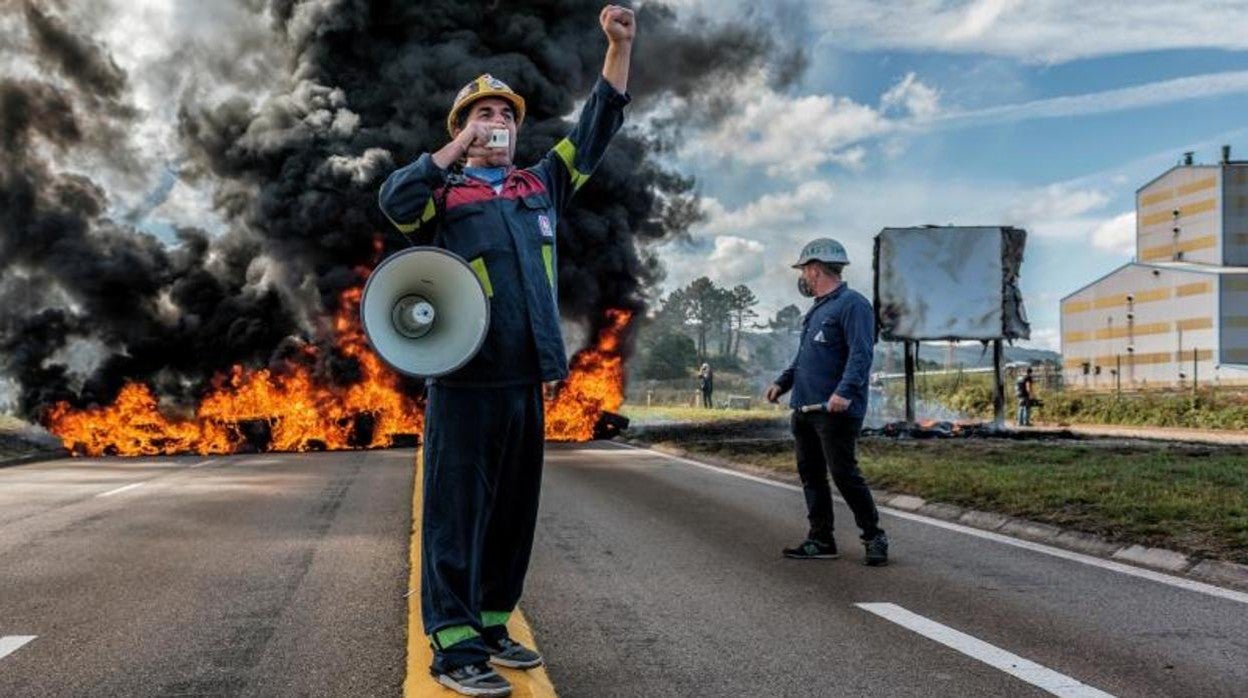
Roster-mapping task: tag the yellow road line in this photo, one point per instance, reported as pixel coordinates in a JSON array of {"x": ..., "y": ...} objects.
[{"x": 534, "y": 683}]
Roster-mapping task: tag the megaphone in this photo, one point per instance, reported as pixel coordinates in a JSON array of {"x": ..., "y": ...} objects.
[{"x": 425, "y": 312}]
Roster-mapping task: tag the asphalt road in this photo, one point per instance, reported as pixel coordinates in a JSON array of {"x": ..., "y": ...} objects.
[
  {"x": 276, "y": 575},
  {"x": 654, "y": 577},
  {"x": 256, "y": 575}
]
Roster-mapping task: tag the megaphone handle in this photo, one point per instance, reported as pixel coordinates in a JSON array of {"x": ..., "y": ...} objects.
[{"x": 818, "y": 407}]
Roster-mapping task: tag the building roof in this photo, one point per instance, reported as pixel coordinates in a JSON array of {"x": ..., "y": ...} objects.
[{"x": 1188, "y": 267}]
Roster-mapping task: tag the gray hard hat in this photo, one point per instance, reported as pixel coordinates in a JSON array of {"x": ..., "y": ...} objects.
[{"x": 822, "y": 250}]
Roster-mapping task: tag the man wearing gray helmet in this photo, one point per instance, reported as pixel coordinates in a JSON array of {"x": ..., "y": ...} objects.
[{"x": 829, "y": 379}]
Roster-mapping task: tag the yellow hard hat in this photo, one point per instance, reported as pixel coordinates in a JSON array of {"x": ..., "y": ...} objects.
[{"x": 483, "y": 86}]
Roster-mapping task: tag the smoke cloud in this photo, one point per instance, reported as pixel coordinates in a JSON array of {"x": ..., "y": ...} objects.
[{"x": 290, "y": 140}]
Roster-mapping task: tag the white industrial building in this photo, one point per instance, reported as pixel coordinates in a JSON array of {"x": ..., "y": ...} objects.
[{"x": 1180, "y": 311}]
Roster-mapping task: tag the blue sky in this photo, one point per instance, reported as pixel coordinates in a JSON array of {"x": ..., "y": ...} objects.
[
  {"x": 1046, "y": 114},
  {"x": 1043, "y": 114}
]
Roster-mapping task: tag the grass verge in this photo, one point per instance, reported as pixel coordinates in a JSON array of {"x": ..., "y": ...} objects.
[{"x": 1189, "y": 499}]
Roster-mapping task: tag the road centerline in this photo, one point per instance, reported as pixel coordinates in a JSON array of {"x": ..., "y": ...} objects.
[
  {"x": 12, "y": 643},
  {"x": 1021, "y": 668}
]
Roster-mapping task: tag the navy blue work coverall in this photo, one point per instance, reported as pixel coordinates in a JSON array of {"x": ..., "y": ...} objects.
[
  {"x": 484, "y": 424},
  {"x": 833, "y": 357}
]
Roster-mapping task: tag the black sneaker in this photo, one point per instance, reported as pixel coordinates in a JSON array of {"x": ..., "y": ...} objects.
[
  {"x": 812, "y": 550},
  {"x": 877, "y": 550},
  {"x": 513, "y": 655},
  {"x": 474, "y": 680}
]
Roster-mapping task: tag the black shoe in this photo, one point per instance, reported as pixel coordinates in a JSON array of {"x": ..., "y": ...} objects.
[
  {"x": 877, "y": 550},
  {"x": 474, "y": 680},
  {"x": 513, "y": 655},
  {"x": 812, "y": 550}
]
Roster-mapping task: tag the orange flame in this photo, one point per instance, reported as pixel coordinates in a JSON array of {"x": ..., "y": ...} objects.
[
  {"x": 595, "y": 383},
  {"x": 297, "y": 412}
]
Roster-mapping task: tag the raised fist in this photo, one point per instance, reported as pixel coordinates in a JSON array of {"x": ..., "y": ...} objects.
[{"x": 618, "y": 23}]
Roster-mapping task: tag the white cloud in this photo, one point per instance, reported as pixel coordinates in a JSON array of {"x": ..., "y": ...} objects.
[
  {"x": 1041, "y": 31},
  {"x": 1055, "y": 202},
  {"x": 735, "y": 260},
  {"x": 1116, "y": 235},
  {"x": 1121, "y": 99},
  {"x": 770, "y": 210},
  {"x": 922, "y": 102},
  {"x": 792, "y": 135}
]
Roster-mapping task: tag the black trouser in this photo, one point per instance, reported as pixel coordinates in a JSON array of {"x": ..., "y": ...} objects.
[
  {"x": 483, "y": 473},
  {"x": 827, "y": 442},
  {"x": 706, "y": 397}
]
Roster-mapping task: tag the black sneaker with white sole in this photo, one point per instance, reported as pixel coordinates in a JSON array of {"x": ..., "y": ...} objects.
[
  {"x": 474, "y": 680},
  {"x": 877, "y": 550},
  {"x": 810, "y": 549},
  {"x": 513, "y": 655}
]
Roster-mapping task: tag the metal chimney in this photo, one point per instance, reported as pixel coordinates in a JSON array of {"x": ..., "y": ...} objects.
[
  {"x": 1187, "y": 157},
  {"x": 1226, "y": 154}
]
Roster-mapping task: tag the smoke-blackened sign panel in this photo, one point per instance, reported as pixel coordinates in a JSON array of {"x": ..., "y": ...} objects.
[{"x": 949, "y": 283}]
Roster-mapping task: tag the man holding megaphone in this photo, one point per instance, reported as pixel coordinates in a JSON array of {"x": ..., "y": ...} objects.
[{"x": 484, "y": 426}]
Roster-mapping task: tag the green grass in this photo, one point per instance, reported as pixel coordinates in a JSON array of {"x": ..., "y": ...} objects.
[
  {"x": 641, "y": 414},
  {"x": 1193, "y": 500}
]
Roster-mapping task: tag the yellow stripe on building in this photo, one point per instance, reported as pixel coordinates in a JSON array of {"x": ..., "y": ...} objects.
[
  {"x": 1198, "y": 185},
  {"x": 1156, "y": 197},
  {"x": 1185, "y": 210},
  {"x": 1076, "y": 306},
  {"x": 1190, "y": 245},
  {"x": 1237, "y": 322},
  {"x": 1137, "y": 330},
  {"x": 1240, "y": 284},
  {"x": 1194, "y": 289},
  {"x": 1198, "y": 323},
  {"x": 1186, "y": 355},
  {"x": 1075, "y": 337}
]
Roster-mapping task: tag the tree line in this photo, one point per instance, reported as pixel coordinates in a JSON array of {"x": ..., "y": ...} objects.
[{"x": 704, "y": 323}]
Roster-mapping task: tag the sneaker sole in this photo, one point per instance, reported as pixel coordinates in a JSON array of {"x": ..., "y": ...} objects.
[
  {"x": 875, "y": 563},
  {"x": 833, "y": 556},
  {"x": 513, "y": 664},
  {"x": 470, "y": 690}
]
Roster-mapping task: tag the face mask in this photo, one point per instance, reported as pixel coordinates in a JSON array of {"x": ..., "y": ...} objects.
[{"x": 804, "y": 288}]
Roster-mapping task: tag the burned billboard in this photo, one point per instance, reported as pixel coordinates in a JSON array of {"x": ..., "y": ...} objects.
[{"x": 949, "y": 283}]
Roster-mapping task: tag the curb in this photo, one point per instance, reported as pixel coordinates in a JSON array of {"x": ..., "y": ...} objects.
[
  {"x": 38, "y": 457},
  {"x": 1218, "y": 572}
]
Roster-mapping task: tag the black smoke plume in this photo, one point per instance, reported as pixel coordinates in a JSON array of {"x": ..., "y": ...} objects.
[{"x": 366, "y": 87}]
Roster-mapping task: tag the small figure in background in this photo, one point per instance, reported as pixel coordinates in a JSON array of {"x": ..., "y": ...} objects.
[
  {"x": 1023, "y": 389},
  {"x": 707, "y": 377}
]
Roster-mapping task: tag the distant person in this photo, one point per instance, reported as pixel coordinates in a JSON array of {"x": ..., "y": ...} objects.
[
  {"x": 831, "y": 371},
  {"x": 1023, "y": 389},
  {"x": 707, "y": 378}
]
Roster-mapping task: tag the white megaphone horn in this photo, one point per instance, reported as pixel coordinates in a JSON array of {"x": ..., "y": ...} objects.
[{"x": 425, "y": 312}]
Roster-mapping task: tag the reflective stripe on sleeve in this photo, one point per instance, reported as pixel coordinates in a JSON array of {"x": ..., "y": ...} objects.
[{"x": 567, "y": 153}]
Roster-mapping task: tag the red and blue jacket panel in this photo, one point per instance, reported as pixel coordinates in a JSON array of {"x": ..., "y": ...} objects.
[{"x": 508, "y": 238}]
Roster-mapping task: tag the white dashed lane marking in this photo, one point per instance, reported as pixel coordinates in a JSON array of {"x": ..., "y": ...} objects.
[
  {"x": 1035, "y": 674},
  {"x": 119, "y": 490},
  {"x": 12, "y": 643}
]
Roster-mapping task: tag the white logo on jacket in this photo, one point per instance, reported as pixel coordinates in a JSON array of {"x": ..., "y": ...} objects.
[{"x": 544, "y": 223}]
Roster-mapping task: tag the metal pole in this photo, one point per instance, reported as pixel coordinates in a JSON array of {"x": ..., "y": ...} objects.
[
  {"x": 1118, "y": 374},
  {"x": 998, "y": 398},
  {"x": 1195, "y": 358},
  {"x": 909, "y": 370}
]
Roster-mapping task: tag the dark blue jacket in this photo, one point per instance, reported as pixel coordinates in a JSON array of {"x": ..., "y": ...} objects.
[
  {"x": 834, "y": 356},
  {"x": 509, "y": 240}
]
